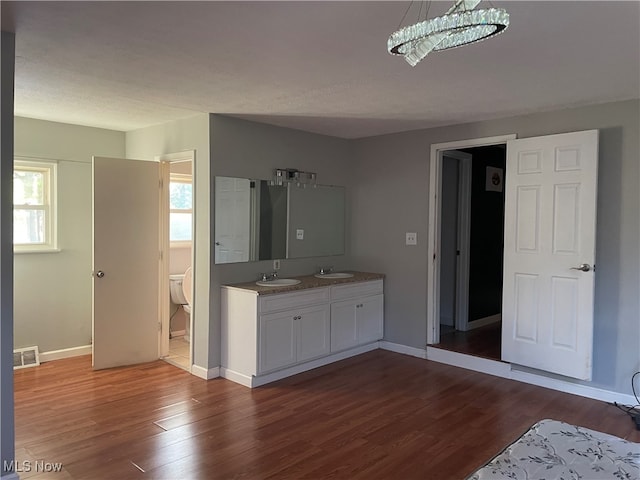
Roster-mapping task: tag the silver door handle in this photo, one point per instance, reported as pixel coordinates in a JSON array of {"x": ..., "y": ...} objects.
[
  {"x": 585, "y": 267},
  {"x": 99, "y": 274}
]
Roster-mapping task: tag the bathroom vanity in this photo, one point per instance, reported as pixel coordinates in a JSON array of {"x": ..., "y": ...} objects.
[{"x": 271, "y": 332}]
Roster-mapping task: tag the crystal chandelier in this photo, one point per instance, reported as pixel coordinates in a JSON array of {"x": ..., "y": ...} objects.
[{"x": 461, "y": 25}]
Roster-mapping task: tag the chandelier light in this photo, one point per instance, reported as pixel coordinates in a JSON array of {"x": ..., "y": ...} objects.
[{"x": 461, "y": 25}]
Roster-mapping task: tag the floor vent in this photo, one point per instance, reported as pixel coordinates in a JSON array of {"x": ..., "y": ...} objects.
[{"x": 26, "y": 357}]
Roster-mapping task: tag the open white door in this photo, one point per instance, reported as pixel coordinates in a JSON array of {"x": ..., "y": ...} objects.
[
  {"x": 549, "y": 255},
  {"x": 126, "y": 201},
  {"x": 233, "y": 219}
]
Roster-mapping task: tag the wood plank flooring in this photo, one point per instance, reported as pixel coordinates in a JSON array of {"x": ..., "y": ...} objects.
[
  {"x": 482, "y": 342},
  {"x": 379, "y": 415}
]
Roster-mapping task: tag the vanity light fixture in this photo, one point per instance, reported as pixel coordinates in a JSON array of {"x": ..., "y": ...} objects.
[
  {"x": 461, "y": 25},
  {"x": 282, "y": 176}
]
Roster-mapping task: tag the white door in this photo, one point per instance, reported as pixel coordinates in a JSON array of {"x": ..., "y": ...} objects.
[
  {"x": 369, "y": 317},
  {"x": 314, "y": 339},
  {"x": 277, "y": 340},
  {"x": 344, "y": 326},
  {"x": 233, "y": 219},
  {"x": 126, "y": 200},
  {"x": 550, "y": 218}
]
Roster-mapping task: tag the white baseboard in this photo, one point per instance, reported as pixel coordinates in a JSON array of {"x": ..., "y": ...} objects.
[
  {"x": 477, "y": 364},
  {"x": 64, "y": 353},
  {"x": 574, "y": 388},
  {"x": 253, "y": 381},
  {"x": 483, "y": 322},
  {"x": 236, "y": 377},
  {"x": 404, "y": 349},
  {"x": 506, "y": 370},
  {"x": 178, "y": 333},
  {"x": 206, "y": 374}
]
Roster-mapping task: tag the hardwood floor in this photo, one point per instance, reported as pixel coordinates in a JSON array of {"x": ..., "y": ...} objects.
[
  {"x": 375, "y": 416},
  {"x": 482, "y": 342}
]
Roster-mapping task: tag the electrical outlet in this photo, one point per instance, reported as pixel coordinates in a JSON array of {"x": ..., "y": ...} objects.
[
  {"x": 300, "y": 234},
  {"x": 412, "y": 238},
  {"x": 276, "y": 264}
]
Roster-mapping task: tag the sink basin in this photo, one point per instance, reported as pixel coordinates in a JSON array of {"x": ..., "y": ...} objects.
[
  {"x": 334, "y": 275},
  {"x": 278, "y": 282}
]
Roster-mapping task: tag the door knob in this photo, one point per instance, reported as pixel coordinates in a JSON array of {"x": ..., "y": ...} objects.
[
  {"x": 585, "y": 267},
  {"x": 99, "y": 274}
]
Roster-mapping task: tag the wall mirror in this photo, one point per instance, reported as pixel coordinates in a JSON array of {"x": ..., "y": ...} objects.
[{"x": 256, "y": 220}]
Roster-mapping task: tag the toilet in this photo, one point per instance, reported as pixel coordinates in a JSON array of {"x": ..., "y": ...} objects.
[{"x": 180, "y": 291}]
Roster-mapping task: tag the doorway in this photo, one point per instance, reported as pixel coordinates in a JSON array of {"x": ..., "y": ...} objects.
[
  {"x": 467, "y": 231},
  {"x": 177, "y": 239},
  {"x": 471, "y": 252}
]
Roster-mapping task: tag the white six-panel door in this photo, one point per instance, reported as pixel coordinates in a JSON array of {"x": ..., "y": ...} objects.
[
  {"x": 550, "y": 219},
  {"x": 233, "y": 218},
  {"x": 126, "y": 258}
]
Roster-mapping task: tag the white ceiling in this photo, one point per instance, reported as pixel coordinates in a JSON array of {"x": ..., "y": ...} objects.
[{"x": 316, "y": 66}]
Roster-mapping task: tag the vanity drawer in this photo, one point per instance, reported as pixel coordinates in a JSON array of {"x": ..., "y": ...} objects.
[
  {"x": 340, "y": 292},
  {"x": 286, "y": 301}
]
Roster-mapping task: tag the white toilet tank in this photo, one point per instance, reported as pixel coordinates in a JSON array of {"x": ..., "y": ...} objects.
[{"x": 175, "y": 288}]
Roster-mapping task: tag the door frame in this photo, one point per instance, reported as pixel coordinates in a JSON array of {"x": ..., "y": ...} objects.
[
  {"x": 434, "y": 224},
  {"x": 164, "y": 296}
]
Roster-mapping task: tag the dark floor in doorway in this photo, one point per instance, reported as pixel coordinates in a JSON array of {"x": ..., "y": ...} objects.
[{"x": 482, "y": 342}]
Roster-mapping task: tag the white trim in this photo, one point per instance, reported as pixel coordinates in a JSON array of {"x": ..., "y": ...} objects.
[
  {"x": 433, "y": 260},
  {"x": 50, "y": 204},
  {"x": 165, "y": 161},
  {"x": 512, "y": 372},
  {"x": 570, "y": 387},
  {"x": 178, "y": 333},
  {"x": 205, "y": 374},
  {"x": 483, "y": 322},
  {"x": 404, "y": 349},
  {"x": 253, "y": 381},
  {"x": 236, "y": 377},
  {"x": 470, "y": 362},
  {"x": 64, "y": 353}
]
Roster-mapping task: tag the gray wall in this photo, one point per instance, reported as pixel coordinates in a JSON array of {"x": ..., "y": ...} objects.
[
  {"x": 7, "y": 431},
  {"x": 398, "y": 165},
  {"x": 319, "y": 213},
  {"x": 449, "y": 244},
  {"x": 52, "y": 291},
  {"x": 178, "y": 136},
  {"x": 241, "y": 148}
]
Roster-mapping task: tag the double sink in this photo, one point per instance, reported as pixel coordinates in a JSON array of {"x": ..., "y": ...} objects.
[{"x": 285, "y": 282}]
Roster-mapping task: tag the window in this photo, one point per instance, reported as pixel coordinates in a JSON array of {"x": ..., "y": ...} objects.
[
  {"x": 180, "y": 208},
  {"x": 34, "y": 208}
]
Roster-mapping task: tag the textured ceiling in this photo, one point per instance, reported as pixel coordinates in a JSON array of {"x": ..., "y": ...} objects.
[{"x": 316, "y": 66}]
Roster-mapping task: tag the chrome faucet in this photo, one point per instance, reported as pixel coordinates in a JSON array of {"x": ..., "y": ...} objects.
[
  {"x": 325, "y": 270},
  {"x": 267, "y": 277}
]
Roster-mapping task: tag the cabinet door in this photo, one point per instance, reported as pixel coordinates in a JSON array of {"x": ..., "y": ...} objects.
[
  {"x": 344, "y": 332},
  {"x": 369, "y": 319},
  {"x": 277, "y": 341},
  {"x": 313, "y": 333}
]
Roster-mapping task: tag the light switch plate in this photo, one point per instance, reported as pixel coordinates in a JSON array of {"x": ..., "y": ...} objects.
[
  {"x": 300, "y": 234},
  {"x": 276, "y": 264},
  {"x": 412, "y": 238}
]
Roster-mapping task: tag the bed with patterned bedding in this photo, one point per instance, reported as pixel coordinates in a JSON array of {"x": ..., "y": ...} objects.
[{"x": 556, "y": 450}]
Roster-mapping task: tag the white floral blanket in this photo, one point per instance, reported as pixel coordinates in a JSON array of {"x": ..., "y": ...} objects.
[{"x": 556, "y": 450}]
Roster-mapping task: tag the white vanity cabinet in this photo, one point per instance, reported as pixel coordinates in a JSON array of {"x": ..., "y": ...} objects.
[
  {"x": 268, "y": 336},
  {"x": 292, "y": 336},
  {"x": 356, "y": 314}
]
